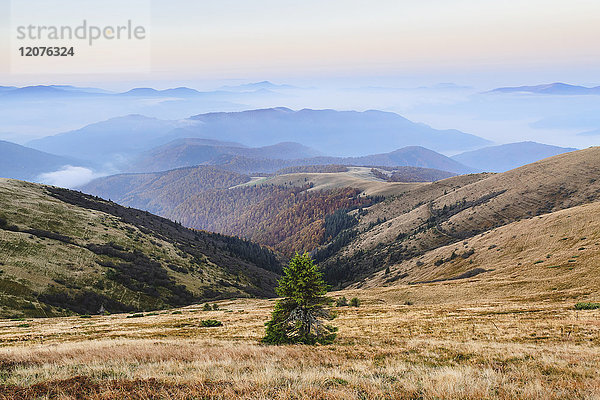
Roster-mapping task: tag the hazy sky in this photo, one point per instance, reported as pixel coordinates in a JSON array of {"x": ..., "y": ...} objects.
[{"x": 484, "y": 42}]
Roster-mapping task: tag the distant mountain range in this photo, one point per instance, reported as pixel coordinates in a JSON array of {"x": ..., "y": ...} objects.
[
  {"x": 411, "y": 156},
  {"x": 19, "y": 162},
  {"x": 268, "y": 159},
  {"x": 183, "y": 92},
  {"x": 189, "y": 152},
  {"x": 552, "y": 89},
  {"x": 508, "y": 156},
  {"x": 338, "y": 133},
  {"x": 111, "y": 140}
]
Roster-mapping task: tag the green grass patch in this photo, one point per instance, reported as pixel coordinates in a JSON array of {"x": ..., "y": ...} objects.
[
  {"x": 209, "y": 323},
  {"x": 587, "y": 306}
]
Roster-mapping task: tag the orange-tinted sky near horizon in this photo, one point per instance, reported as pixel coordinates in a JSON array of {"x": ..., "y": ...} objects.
[{"x": 277, "y": 39}]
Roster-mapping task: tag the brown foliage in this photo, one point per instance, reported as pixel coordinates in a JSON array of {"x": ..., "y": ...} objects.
[{"x": 285, "y": 218}]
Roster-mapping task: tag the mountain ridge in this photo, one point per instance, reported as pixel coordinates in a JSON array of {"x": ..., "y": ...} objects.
[
  {"x": 508, "y": 156},
  {"x": 24, "y": 163},
  {"x": 557, "y": 88}
]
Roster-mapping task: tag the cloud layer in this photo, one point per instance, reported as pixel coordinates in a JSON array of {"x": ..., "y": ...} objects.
[{"x": 69, "y": 177}]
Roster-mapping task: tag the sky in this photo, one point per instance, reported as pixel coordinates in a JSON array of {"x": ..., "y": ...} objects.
[{"x": 486, "y": 43}]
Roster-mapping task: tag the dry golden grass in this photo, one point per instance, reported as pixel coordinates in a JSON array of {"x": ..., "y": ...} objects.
[
  {"x": 356, "y": 177},
  {"x": 432, "y": 349},
  {"x": 552, "y": 184},
  {"x": 555, "y": 255}
]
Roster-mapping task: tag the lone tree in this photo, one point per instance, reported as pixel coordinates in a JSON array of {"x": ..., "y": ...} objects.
[{"x": 299, "y": 317}]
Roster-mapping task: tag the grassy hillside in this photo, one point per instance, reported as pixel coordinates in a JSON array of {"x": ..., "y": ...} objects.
[
  {"x": 62, "y": 251},
  {"x": 362, "y": 178},
  {"x": 374, "y": 223},
  {"x": 426, "y": 218},
  {"x": 478, "y": 301},
  {"x": 555, "y": 255}
]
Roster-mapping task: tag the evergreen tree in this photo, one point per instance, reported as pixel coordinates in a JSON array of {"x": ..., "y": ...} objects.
[{"x": 299, "y": 316}]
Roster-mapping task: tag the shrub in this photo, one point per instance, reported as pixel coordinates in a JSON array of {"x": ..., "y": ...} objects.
[
  {"x": 342, "y": 302},
  {"x": 85, "y": 316},
  {"x": 135, "y": 315},
  {"x": 206, "y": 307},
  {"x": 587, "y": 306},
  {"x": 208, "y": 323},
  {"x": 355, "y": 302},
  {"x": 215, "y": 307}
]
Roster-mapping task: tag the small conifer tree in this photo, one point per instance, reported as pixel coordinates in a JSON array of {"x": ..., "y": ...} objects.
[{"x": 299, "y": 317}]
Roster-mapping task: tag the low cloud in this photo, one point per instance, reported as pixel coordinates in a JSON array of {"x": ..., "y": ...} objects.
[{"x": 69, "y": 177}]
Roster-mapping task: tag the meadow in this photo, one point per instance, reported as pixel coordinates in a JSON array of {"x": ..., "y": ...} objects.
[{"x": 407, "y": 342}]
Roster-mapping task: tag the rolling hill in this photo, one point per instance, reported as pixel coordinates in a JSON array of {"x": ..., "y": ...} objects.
[
  {"x": 158, "y": 192},
  {"x": 20, "y": 162},
  {"x": 555, "y": 254},
  {"x": 356, "y": 222},
  {"x": 65, "y": 252},
  {"x": 508, "y": 156},
  {"x": 435, "y": 215},
  {"x": 269, "y": 159},
  {"x": 410, "y": 156},
  {"x": 288, "y": 211}
]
